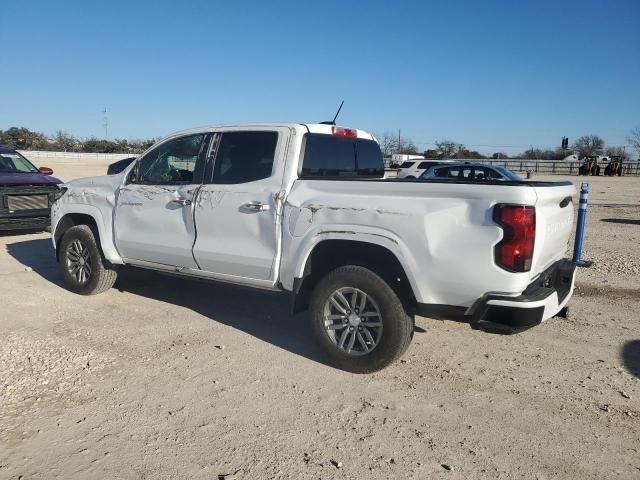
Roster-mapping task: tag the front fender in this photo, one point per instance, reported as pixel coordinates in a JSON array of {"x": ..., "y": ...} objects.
[{"x": 63, "y": 208}]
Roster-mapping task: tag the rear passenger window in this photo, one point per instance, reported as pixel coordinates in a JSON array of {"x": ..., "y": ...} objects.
[
  {"x": 330, "y": 156},
  {"x": 441, "y": 172},
  {"x": 425, "y": 165},
  {"x": 407, "y": 164},
  {"x": 482, "y": 173},
  {"x": 369, "y": 158},
  {"x": 453, "y": 172},
  {"x": 244, "y": 157}
]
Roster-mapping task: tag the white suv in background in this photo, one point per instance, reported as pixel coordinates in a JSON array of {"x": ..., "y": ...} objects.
[{"x": 415, "y": 168}]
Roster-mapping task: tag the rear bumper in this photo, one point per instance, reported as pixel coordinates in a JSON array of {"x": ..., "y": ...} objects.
[{"x": 541, "y": 300}]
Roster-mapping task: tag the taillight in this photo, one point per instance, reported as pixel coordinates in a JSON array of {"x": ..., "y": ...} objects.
[
  {"x": 515, "y": 251},
  {"x": 344, "y": 132}
]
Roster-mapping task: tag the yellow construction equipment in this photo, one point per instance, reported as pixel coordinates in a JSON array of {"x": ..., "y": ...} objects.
[
  {"x": 589, "y": 166},
  {"x": 615, "y": 167}
]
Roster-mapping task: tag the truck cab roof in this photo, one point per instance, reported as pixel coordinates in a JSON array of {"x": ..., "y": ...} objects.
[{"x": 318, "y": 128}]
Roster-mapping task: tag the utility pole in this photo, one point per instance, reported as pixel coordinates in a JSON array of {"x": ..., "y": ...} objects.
[
  {"x": 399, "y": 141},
  {"x": 105, "y": 123}
]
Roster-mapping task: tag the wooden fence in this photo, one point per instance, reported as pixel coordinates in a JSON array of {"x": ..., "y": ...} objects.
[{"x": 557, "y": 167}]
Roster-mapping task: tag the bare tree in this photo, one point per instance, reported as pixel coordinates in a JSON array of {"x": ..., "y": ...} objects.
[
  {"x": 589, "y": 145},
  {"x": 634, "y": 139},
  {"x": 617, "y": 152},
  {"x": 407, "y": 146},
  {"x": 65, "y": 142},
  {"x": 388, "y": 143}
]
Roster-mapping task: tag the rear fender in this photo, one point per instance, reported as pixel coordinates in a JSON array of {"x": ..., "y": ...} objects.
[{"x": 380, "y": 237}]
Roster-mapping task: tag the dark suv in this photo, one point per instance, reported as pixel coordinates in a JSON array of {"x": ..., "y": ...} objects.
[{"x": 26, "y": 192}]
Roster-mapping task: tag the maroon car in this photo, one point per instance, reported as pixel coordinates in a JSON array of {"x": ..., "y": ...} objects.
[{"x": 26, "y": 192}]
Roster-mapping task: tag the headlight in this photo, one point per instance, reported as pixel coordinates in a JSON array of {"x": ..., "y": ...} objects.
[{"x": 58, "y": 195}]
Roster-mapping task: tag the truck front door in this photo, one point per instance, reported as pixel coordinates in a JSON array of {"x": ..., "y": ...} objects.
[{"x": 154, "y": 209}]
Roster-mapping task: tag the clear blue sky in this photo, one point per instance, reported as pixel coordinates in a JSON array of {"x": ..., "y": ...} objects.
[{"x": 478, "y": 72}]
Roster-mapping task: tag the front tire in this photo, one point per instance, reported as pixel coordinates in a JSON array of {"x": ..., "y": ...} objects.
[
  {"x": 358, "y": 320},
  {"x": 85, "y": 271}
]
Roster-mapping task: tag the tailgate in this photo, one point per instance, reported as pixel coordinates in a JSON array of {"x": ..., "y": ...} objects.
[{"x": 554, "y": 224}]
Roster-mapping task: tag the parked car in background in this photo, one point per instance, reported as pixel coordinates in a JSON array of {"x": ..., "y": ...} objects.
[
  {"x": 470, "y": 172},
  {"x": 26, "y": 192},
  {"x": 120, "y": 165},
  {"x": 305, "y": 209},
  {"x": 414, "y": 168}
]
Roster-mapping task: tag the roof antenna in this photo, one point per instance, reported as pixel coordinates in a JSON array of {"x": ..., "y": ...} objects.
[{"x": 333, "y": 122}]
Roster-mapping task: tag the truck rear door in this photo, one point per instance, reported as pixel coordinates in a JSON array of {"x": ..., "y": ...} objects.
[{"x": 236, "y": 214}]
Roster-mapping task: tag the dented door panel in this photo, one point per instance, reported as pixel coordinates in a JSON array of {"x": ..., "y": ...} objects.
[
  {"x": 154, "y": 223},
  {"x": 239, "y": 224},
  {"x": 233, "y": 240}
]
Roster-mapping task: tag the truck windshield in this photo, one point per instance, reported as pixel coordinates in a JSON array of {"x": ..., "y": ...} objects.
[
  {"x": 15, "y": 163},
  {"x": 331, "y": 156}
]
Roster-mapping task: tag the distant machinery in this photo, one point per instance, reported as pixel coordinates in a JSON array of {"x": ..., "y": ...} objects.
[
  {"x": 589, "y": 166},
  {"x": 615, "y": 167}
]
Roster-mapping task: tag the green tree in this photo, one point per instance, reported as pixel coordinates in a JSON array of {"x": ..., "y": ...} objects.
[
  {"x": 23, "y": 139},
  {"x": 447, "y": 148},
  {"x": 95, "y": 145},
  {"x": 431, "y": 153},
  {"x": 464, "y": 153}
]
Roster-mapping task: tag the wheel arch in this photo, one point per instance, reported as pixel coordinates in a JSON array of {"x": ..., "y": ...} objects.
[
  {"x": 331, "y": 253},
  {"x": 91, "y": 217}
]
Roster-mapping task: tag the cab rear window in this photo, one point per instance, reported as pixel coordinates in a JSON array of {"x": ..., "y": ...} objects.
[{"x": 330, "y": 156}]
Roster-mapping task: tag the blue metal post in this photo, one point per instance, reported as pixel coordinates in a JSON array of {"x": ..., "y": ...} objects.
[{"x": 582, "y": 219}]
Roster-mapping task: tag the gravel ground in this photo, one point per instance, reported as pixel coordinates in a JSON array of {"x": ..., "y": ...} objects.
[{"x": 167, "y": 378}]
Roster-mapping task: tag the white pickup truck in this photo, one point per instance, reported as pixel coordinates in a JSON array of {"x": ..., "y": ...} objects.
[{"x": 305, "y": 208}]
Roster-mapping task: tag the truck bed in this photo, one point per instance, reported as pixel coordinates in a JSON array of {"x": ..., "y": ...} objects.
[{"x": 440, "y": 230}]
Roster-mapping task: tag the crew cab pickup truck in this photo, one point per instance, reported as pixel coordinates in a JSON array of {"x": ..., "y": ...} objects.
[{"x": 305, "y": 209}]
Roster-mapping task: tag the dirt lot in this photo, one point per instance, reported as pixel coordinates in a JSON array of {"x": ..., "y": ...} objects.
[{"x": 166, "y": 378}]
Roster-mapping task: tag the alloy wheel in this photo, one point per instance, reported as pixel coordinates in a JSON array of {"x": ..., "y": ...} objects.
[
  {"x": 79, "y": 261},
  {"x": 352, "y": 320}
]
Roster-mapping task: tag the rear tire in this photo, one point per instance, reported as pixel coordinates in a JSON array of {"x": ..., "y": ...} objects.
[
  {"x": 84, "y": 269},
  {"x": 362, "y": 334}
]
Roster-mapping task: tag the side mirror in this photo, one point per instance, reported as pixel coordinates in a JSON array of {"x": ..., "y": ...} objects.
[
  {"x": 134, "y": 172},
  {"x": 45, "y": 171}
]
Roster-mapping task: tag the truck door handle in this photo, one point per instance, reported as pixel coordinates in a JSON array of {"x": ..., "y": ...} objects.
[
  {"x": 182, "y": 201},
  {"x": 254, "y": 207}
]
